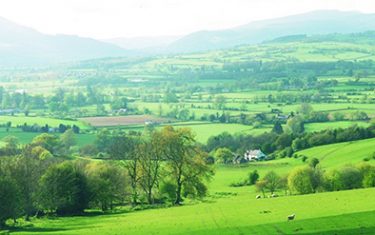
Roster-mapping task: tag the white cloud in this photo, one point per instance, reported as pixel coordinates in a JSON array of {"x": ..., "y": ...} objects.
[{"x": 129, "y": 18}]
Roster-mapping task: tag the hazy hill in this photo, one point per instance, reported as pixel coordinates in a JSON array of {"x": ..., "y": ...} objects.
[
  {"x": 22, "y": 46},
  {"x": 143, "y": 43},
  {"x": 312, "y": 23},
  {"x": 291, "y": 48}
]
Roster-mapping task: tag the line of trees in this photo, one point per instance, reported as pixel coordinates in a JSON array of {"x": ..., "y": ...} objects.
[
  {"x": 311, "y": 179},
  {"x": 162, "y": 167},
  {"x": 46, "y": 128}
]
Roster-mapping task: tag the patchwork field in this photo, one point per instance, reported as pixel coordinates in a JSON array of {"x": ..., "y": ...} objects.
[{"x": 121, "y": 120}]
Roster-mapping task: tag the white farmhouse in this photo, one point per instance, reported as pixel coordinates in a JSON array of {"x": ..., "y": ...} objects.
[{"x": 254, "y": 155}]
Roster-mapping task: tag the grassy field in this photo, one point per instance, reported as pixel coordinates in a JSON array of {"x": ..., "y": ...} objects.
[
  {"x": 204, "y": 131},
  {"x": 230, "y": 210},
  {"x": 343, "y": 153},
  {"x": 53, "y": 122},
  {"x": 121, "y": 120},
  {"x": 26, "y": 137},
  {"x": 310, "y": 127},
  {"x": 236, "y": 214}
]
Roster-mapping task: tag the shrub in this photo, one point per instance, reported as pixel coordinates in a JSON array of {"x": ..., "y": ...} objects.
[
  {"x": 253, "y": 177},
  {"x": 239, "y": 184},
  {"x": 313, "y": 162}
]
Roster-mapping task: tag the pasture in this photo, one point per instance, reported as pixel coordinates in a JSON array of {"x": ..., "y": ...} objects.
[
  {"x": 121, "y": 120},
  {"x": 20, "y": 120},
  {"x": 334, "y": 155},
  {"x": 26, "y": 137},
  {"x": 204, "y": 130},
  {"x": 238, "y": 213},
  {"x": 235, "y": 210}
]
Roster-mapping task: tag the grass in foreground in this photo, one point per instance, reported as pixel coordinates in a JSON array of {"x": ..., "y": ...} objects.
[{"x": 237, "y": 214}]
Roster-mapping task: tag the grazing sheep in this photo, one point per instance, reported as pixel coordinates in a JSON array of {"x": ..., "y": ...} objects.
[
  {"x": 274, "y": 195},
  {"x": 258, "y": 197},
  {"x": 291, "y": 217}
]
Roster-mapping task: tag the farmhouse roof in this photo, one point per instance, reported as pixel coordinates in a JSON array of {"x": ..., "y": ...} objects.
[{"x": 254, "y": 152}]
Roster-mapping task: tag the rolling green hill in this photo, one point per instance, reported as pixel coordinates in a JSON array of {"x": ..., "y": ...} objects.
[
  {"x": 231, "y": 210},
  {"x": 334, "y": 155},
  {"x": 325, "y": 48}
]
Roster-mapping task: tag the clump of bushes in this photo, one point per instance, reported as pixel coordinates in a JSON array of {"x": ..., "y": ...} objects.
[
  {"x": 311, "y": 179},
  {"x": 251, "y": 180}
]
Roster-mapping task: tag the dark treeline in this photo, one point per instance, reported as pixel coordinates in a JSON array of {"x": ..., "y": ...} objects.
[
  {"x": 298, "y": 73},
  {"x": 280, "y": 144},
  {"x": 163, "y": 167},
  {"x": 46, "y": 128}
]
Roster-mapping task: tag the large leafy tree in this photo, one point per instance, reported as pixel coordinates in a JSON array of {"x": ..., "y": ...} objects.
[
  {"x": 185, "y": 163},
  {"x": 63, "y": 189},
  {"x": 48, "y": 142},
  {"x": 305, "y": 179},
  {"x": 272, "y": 181},
  {"x": 9, "y": 200},
  {"x": 68, "y": 139},
  {"x": 223, "y": 155},
  {"x": 126, "y": 149},
  {"x": 11, "y": 145},
  {"x": 106, "y": 183},
  {"x": 150, "y": 162}
]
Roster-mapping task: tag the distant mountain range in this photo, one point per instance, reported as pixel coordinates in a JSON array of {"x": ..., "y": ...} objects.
[
  {"x": 312, "y": 23},
  {"x": 151, "y": 44},
  {"x": 21, "y": 46}
]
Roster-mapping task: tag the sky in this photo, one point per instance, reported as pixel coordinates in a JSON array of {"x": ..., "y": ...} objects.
[{"x": 104, "y": 19}]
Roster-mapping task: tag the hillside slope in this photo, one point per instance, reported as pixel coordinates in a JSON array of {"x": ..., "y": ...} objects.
[{"x": 335, "y": 155}]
